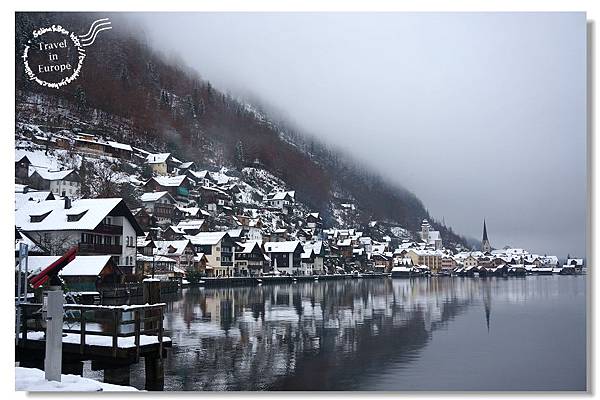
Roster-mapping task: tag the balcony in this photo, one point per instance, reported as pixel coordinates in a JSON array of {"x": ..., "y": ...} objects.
[
  {"x": 91, "y": 248},
  {"x": 109, "y": 229}
]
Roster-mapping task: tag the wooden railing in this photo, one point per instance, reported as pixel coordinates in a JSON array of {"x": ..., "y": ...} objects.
[{"x": 114, "y": 321}]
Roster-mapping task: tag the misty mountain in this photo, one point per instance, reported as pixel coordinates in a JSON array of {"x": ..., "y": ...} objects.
[{"x": 128, "y": 91}]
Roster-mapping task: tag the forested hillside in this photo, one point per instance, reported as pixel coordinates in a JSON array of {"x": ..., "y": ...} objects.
[{"x": 128, "y": 91}]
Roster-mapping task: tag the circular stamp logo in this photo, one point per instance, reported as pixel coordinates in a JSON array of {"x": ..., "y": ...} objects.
[{"x": 53, "y": 57}]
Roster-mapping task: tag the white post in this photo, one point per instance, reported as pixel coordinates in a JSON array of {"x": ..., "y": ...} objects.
[
  {"x": 23, "y": 252},
  {"x": 53, "y": 306}
]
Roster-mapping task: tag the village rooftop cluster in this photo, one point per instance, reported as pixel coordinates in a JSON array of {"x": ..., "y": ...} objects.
[{"x": 192, "y": 223}]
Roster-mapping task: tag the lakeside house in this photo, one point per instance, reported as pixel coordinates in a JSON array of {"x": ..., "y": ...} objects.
[
  {"x": 96, "y": 226},
  {"x": 286, "y": 256}
]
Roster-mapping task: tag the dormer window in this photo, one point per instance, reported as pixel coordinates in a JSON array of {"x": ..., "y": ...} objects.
[
  {"x": 75, "y": 217},
  {"x": 40, "y": 217}
]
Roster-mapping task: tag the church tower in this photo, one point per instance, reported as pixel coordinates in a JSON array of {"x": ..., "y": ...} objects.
[
  {"x": 425, "y": 231},
  {"x": 485, "y": 243}
]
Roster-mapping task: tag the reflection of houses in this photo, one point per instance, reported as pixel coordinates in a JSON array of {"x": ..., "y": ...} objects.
[
  {"x": 62, "y": 183},
  {"x": 286, "y": 256},
  {"x": 97, "y": 226}
]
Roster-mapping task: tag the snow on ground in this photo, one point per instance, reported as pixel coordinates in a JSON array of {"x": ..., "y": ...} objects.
[{"x": 32, "y": 380}]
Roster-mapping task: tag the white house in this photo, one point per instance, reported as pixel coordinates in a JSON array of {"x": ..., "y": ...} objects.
[
  {"x": 280, "y": 200},
  {"x": 61, "y": 183},
  {"x": 218, "y": 249},
  {"x": 96, "y": 226}
]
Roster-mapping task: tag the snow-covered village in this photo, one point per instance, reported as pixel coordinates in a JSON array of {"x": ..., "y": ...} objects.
[
  {"x": 203, "y": 205},
  {"x": 183, "y": 223}
]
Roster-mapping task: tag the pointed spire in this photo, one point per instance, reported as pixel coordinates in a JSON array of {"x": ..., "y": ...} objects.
[{"x": 484, "y": 231}]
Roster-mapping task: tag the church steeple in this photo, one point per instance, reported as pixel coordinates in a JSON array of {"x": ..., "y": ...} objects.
[{"x": 485, "y": 243}]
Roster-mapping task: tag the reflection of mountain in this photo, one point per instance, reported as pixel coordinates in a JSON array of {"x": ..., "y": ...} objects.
[{"x": 326, "y": 335}]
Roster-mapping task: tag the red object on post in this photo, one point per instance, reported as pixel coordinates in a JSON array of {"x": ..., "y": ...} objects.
[{"x": 54, "y": 268}]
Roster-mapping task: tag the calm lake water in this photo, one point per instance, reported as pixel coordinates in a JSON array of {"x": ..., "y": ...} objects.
[{"x": 380, "y": 334}]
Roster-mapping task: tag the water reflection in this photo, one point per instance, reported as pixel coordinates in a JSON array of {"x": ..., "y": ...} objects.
[{"x": 329, "y": 334}]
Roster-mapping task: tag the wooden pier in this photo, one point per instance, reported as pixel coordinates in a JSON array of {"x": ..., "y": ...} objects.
[{"x": 112, "y": 337}]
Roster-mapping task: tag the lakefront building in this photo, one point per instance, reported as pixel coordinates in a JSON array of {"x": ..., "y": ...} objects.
[{"x": 96, "y": 226}]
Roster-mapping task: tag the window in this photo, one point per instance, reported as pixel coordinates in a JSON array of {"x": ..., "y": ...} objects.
[
  {"x": 39, "y": 218},
  {"x": 75, "y": 217}
]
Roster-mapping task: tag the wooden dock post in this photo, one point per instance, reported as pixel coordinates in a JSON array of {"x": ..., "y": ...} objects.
[
  {"x": 155, "y": 373},
  {"x": 154, "y": 368},
  {"x": 118, "y": 375}
]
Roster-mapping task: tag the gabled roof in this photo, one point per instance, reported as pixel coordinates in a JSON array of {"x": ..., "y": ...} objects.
[
  {"x": 186, "y": 164},
  {"x": 165, "y": 181},
  {"x": 248, "y": 247},
  {"x": 85, "y": 266},
  {"x": 120, "y": 146},
  {"x": 22, "y": 199},
  {"x": 56, "y": 220},
  {"x": 163, "y": 246},
  {"x": 157, "y": 158},
  {"x": 282, "y": 247},
  {"x": 190, "y": 224},
  {"x": 52, "y": 175},
  {"x": 149, "y": 197},
  {"x": 281, "y": 195},
  {"x": 207, "y": 238}
]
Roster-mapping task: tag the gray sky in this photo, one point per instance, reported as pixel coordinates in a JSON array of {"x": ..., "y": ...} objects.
[{"x": 480, "y": 115}]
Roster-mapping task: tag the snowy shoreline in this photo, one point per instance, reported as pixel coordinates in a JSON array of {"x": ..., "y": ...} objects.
[{"x": 32, "y": 380}]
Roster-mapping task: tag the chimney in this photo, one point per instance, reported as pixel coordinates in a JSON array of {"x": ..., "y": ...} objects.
[{"x": 67, "y": 203}]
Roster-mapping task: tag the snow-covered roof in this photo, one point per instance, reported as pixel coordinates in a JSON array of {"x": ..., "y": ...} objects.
[
  {"x": 121, "y": 146},
  {"x": 157, "y": 158},
  {"x": 53, "y": 175},
  {"x": 94, "y": 211},
  {"x": 207, "y": 238},
  {"x": 282, "y": 247},
  {"x": 163, "y": 246},
  {"x": 186, "y": 164},
  {"x": 21, "y": 199},
  {"x": 170, "y": 180},
  {"x": 247, "y": 247},
  {"x": 85, "y": 266},
  {"x": 201, "y": 174},
  {"x": 281, "y": 195},
  {"x": 150, "y": 197},
  {"x": 316, "y": 246},
  {"x": 190, "y": 224}
]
